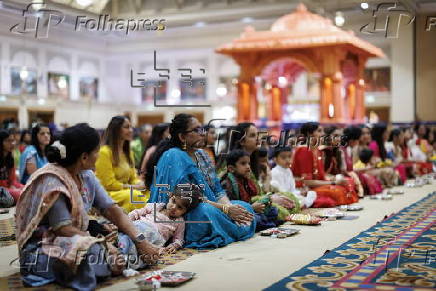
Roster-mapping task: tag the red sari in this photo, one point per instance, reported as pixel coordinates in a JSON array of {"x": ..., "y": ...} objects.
[
  {"x": 308, "y": 165},
  {"x": 422, "y": 168}
]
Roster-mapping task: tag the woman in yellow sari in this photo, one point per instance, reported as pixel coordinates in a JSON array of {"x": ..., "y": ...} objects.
[{"x": 115, "y": 166}]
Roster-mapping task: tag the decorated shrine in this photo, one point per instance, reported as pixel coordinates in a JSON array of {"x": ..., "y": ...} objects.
[{"x": 296, "y": 42}]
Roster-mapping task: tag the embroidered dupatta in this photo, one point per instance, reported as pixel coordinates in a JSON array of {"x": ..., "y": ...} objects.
[{"x": 37, "y": 198}]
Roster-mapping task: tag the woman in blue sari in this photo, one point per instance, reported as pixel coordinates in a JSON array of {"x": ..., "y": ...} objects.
[
  {"x": 179, "y": 160},
  {"x": 33, "y": 157}
]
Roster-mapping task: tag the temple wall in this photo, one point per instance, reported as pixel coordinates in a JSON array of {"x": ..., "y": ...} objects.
[{"x": 425, "y": 69}]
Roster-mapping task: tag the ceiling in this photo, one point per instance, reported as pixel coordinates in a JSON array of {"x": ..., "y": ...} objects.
[{"x": 195, "y": 12}]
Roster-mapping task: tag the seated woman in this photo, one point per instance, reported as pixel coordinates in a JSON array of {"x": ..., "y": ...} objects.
[
  {"x": 335, "y": 159},
  {"x": 370, "y": 183},
  {"x": 158, "y": 133},
  {"x": 115, "y": 166},
  {"x": 8, "y": 178},
  {"x": 33, "y": 156},
  {"x": 239, "y": 186},
  {"x": 390, "y": 175},
  {"x": 308, "y": 165},
  {"x": 180, "y": 160},
  {"x": 52, "y": 222}
]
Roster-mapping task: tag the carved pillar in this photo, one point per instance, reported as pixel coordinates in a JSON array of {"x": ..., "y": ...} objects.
[
  {"x": 360, "y": 101},
  {"x": 325, "y": 99},
  {"x": 247, "y": 101},
  {"x": 338, "y": 101}
]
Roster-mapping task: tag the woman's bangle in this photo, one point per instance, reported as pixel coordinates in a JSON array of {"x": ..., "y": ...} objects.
[{"x": 226, "y": 209}]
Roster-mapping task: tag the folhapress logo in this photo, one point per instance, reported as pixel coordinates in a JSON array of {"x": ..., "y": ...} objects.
[
  {"x": 38, "y": 20},
  {"x": 106, "y": 23}
]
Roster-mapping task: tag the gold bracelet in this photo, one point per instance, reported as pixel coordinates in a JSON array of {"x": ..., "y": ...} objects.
[{"x": 226, "y": 209}]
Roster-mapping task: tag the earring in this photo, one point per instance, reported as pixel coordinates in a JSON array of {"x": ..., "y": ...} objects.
[{"x": 184, "y": 146}]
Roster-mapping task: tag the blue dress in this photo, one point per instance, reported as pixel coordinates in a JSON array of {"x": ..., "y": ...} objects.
[
  {"x": 29, "y": 153},
  {"x": 213, "y": 228}
]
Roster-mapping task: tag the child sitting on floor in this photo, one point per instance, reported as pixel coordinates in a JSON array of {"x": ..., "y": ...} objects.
[
  {"x": 239, "y": 186},
  {"x": 364, "y": 162},
  {"x": 159, "y": 222},
  {"x": 283, "y": 179}
]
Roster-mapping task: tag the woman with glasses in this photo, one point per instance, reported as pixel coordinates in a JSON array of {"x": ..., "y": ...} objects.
[
  {"x": 115, "y": 166},
  {"x": 180, "y": 160}
]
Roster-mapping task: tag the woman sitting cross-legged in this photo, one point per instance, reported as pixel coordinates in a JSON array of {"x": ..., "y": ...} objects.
[
  {"x": 52, "y": 222},
  {"x": 115, "y": 167},
  {"x": 180, "y": 160}
]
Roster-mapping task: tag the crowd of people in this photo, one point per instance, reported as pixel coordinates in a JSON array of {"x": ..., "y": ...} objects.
[{"x": 168, "y": 188}]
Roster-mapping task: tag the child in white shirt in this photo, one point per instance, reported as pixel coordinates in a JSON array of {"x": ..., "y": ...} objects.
[{"x": 283, "y": 179}]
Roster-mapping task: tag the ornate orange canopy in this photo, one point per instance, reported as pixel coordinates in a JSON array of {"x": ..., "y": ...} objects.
[{"x": 320, "y": 46}]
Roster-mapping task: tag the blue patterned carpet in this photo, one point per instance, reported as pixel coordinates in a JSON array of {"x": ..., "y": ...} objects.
[{"x": 396, "y": 254}]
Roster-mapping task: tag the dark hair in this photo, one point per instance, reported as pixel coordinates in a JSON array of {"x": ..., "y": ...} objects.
[
  {"x": 395, "y": 133},
  {"x": 377, "y": 135},
  {"x": 308, "y": 128},
  {"x": 23, "y": 134},
  {"x": 35, "y": 130},
  {"x": 155, "y": 138},
  {"x": 78, "y": 139},
  {"x": 190, "y": 198},
  {"x": 178, "y": 125},
  {"x": 352, "y": 133},
  {"x": 278, "y": 150},
  {"x": 112, "y": 137},
  {"x": 365, "y": 155},
  {"x": 238, "y": 133},
  {"x": 156, "y": 135},
  {"x": 262, "y": 153},
  {"x": 234, "y": 156},
  {"x": 7, "y": 160}
]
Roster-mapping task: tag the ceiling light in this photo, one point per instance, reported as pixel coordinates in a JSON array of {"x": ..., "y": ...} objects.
[
  {"x": 364, "y": 5},
  {"x": 84, "y": 2},
  {"x": 221, "y": 90},
  {"x": 247, "y": 20},
  {"x": 370, "y": 99},
  {"x": 38, "y": 5},
  {"x": 2, "y": 98},
  {"x": 331, "y": 110},
  {"x": 283, "y": 81},
  {"x": 200, "y": 24},
  {"x": 339, "y": 19},
  {"x": 24, "y": 74},
  {"x": 41, "y": 101},
  {"x": 62, "y": 83}
]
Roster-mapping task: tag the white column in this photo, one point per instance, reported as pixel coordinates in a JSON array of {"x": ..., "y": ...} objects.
[
  {"x": 5, "y": 58},
  {"x": 42, "y": 89},
  {"x": 402, "y": 76},
  {"x": 74, "y": 77}
]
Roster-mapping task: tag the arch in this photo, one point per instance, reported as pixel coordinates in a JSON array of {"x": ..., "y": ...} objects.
[
  {"x": 308, "y": 62},
  {"x": 59, "y": 64},
  {"x": 24, "y": 59}
]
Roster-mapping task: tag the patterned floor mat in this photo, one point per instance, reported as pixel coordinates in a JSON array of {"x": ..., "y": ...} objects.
[{"x": 396, "y": 254}]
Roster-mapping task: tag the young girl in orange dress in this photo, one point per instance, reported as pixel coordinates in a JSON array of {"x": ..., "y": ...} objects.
[{"x": 308, "y": 165}]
